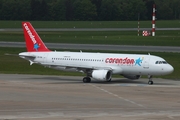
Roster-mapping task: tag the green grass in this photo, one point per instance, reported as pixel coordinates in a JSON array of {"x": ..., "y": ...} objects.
[
  {"x": 162, "y": 38},
  {"x": 93, "y": 24},
  {"x": 16, "y": 65}
]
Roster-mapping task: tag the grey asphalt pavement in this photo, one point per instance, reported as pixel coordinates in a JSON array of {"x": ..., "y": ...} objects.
[
  {"x": 43, "y": 97},
  {"x": 55, "y": 46}
]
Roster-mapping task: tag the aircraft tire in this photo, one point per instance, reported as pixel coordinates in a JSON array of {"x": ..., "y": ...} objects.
[
  {"x": 150, "y": 82},
  {"x": 109, "y": 80},
  {"x": 86, "y": 79}
]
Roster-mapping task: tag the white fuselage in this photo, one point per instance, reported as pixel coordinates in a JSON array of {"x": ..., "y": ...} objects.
[{"x": 130, "y": 64}]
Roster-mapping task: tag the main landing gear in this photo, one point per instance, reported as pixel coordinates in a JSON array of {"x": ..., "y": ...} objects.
[
  {"x": 150, "y": 82},
  {"x": 86, "y": 79}
]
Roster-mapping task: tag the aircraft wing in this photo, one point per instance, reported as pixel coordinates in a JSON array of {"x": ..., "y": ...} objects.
[
  {"x": 11, "y": 54},
  {"x": 28, "y": 57},
  {"x": 79, "y": 68}
]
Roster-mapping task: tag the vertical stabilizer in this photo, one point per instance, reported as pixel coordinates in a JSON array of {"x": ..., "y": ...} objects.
[{"x": 33, "y": 41}]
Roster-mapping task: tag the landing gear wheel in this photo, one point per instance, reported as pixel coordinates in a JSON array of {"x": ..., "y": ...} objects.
[
  {"x": 150, "y": 82},
  {"x": 86, "y": 79},
  {"x": 109, "y": 80}
]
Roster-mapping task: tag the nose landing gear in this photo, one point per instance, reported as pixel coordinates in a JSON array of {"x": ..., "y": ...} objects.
[{"x": 150, "y": 82}]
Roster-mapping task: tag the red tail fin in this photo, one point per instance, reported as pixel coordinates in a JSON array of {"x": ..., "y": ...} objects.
[{"x": 33, "y": 41}]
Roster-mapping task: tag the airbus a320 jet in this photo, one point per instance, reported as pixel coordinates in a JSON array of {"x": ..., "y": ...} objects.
[{"x": 99, "y": 66}]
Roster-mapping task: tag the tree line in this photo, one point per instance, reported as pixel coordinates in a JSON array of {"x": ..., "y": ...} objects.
[{"x": 88, "y": 10}]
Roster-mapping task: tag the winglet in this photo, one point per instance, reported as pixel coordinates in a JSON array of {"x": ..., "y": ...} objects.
[{"x": 33, "y": 41}]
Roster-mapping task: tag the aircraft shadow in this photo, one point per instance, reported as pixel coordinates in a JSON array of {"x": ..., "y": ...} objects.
[
  {"x": 70, "y": 80},
  {"x": 59, "y": 80}
]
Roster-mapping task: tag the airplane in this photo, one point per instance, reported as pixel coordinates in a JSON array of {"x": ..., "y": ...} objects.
[{"x": 99, "y": 66}]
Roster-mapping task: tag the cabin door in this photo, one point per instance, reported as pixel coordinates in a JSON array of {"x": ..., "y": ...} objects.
[{"x": 146, "y": 62}]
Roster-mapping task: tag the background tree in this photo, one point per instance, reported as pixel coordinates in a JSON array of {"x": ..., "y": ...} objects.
[
  {"x": 97, "y": 3},
  {"x": 36, "y": 13},
  {"x": 84, "y": 10},
  {"x": 131, "y": 9},
  {"x": 69, "y": 9},
  {"x": 149, "y": 4},
  {"x": 57, "y": 10},
  {"x": 15, "y": 9},
  {"x": 44, "y": 10},
  {"x": 88, "y": 9},
  {"x": 1, "y": 4},
  {"x": 39, "y": 10},
  {"x": 110, "y": 10},
  {"x": 138, "y": 6},
  {"x": 164, "y": 10},
  {"x": 176, "y": 11}
]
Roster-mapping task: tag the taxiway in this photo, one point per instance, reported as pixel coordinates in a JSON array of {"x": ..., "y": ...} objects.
[{"x": 43, "y": 97}]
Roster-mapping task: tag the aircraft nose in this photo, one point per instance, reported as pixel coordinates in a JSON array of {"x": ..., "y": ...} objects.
[{"x": 170, "y": 69}]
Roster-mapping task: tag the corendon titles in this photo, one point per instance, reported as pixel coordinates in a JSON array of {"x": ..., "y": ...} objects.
[
  {"x": 122, "y": 61},
  {"x": 30, "y": 33}
]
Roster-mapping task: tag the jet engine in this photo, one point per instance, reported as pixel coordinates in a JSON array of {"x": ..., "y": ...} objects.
[
  {"x": 104, "y": 75},
  {"x": 132, "y": 77}
]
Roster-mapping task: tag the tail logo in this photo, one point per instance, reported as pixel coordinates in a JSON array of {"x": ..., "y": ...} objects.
[{"x": 36, "y": 45}]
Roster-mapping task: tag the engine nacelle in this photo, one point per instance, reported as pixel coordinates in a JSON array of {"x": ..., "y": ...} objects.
[
  {"x": 104, "y": 75},
  {"x": 132, "y": 77}
]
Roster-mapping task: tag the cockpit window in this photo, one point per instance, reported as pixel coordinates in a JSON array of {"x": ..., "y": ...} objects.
[
  {"x": 161, "y": 62},
  {"x": 164, "y": 62}
]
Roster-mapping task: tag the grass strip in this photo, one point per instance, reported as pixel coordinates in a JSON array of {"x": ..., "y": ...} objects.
[{"x": 162, "y": 38}]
